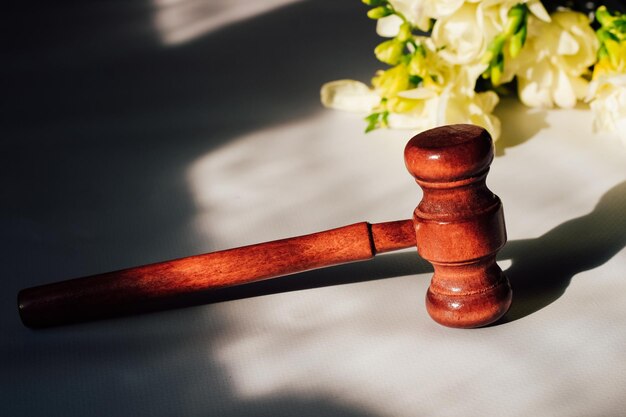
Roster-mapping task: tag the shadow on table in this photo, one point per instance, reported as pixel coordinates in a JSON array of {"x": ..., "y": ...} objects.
[
  {"x": 520, "y": 123},
  {"x": 543, "y": 267},
  {"x": 103, "y": 127},
  {"x": 541, "y": 271}
]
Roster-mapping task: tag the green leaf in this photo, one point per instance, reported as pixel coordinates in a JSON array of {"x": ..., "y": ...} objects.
[
  {"x": 372, "y": 122},
  {"x": 385, "y": 119},
  {"x": 376, "y": 120}
]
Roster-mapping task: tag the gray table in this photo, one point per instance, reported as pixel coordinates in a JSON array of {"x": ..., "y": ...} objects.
[{"x": 144, "y": 132}]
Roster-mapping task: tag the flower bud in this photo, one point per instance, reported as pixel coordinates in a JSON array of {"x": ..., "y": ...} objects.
[
  {"x": 487, "y": 58},
  {"x": 379, "y": 12},
  {"x": 405, "y": 34},
  {"x": 496, "y": 72},
  {"x": 614, "y": 51},
  {"x": 603, "y": 66},
  {"x": 401, "y": 105},
  {"x": 417, "y": 65},
  {"x": 390, "y": 51},
  {"x": 516, "y": 19},
  {"x": 392, "y": 81},
  {"x": 605, "y": 35},
  {"x": 517, "y": 42},
  {"x": 496, "y": 46},
  {"x": 604, "y": 17}
]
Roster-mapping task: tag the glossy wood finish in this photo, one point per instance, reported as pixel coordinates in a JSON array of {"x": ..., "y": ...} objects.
[
  {"x": 136, "y": 290},
  {"x": 459, "y": 225}
]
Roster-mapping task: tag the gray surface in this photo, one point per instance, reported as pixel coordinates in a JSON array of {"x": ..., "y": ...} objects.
[{"x": 121, "y": 148}]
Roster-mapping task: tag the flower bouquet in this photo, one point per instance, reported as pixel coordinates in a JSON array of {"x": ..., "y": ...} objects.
[{"x": 450, "y": 61}]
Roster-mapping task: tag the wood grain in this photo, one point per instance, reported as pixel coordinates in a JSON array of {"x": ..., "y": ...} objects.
[
  {"x": 136, "y": 290},
  {"x": 459, "y": 225}
]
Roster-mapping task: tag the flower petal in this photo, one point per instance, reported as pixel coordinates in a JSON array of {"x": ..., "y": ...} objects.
[
  {"x": 536, "y": 8},
  {"x": 439, "y": 9},
  {"x": 487, "y": 100},
  {"x": 563, "y": 94},
  {"x": 533, "y": 95},
  {"x": 349, "y": 95},
  {"x": 389, "y": 26},
  {"x": 567, "y": 44},
  {"x": 609, "y": 104},
  {"x": 420, "y": 93}
]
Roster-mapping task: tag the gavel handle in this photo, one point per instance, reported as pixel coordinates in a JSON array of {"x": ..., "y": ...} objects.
[{"x": 136, "y": 290}]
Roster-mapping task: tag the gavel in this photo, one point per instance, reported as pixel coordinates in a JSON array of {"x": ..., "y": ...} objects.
[{"x": 458, "y": 227}]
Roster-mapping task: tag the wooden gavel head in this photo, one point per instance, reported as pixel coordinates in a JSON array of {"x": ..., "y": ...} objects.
[{"x": 459, "y": 225}]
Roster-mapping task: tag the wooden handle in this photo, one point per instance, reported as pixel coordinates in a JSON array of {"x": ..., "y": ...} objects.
[
  {"x": 136, "y": 290},
  {"x": 459, "y": 225}
]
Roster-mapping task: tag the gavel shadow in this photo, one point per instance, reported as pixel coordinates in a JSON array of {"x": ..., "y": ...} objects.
[{"x": 541, "y": 269}]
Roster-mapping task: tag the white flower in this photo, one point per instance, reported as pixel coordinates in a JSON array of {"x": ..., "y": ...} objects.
[
  {"x": 464, "y": 32},
  {"x": 557, "y": 54},
  {"x": 607, "y": 96},
  {"x": 444, "y": 96},
  {"x": 418, "y": 13},
  {"x": 477, "y": 110},
  {"x": 463, "y": 37},
  {"x": 349, "y": 95},
  {"x": 415, "y": 11},
  {"x": 439, "y": 9},
  {"x": 473, "y": 110},
  {"x": 431, "y": 105},
  {"x": 422, "y": 117},
  {"x": 534, "y": 6},
  {"x": 463, "y": 28},
  {"x": 450, "y": 107}
]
